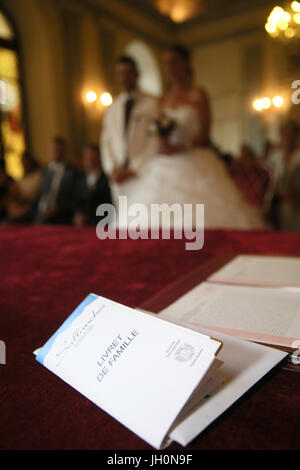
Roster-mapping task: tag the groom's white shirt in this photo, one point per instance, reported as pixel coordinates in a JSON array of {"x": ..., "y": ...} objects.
[{"x": 137, "y": 144}]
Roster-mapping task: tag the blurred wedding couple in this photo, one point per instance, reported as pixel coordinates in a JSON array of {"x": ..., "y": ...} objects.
[{"x": 158, "y": 151}]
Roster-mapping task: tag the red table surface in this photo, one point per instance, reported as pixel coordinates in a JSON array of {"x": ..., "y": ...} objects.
[{"x": 47, "y": 271}]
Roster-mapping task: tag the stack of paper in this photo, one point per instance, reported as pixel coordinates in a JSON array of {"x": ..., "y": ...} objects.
[
  {"x": 275, "y": 271},
  {"x": 253, "y": 297}
]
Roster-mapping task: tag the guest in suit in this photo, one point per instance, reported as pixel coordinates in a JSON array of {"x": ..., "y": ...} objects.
[
  {"x": 24, "y": 191},
  {"x": 55, "y": 204},
  {"x": 92, "y": 188},
  {"x": 125, "y": 140},
  {"x": 284, "y": 164},
  {"x": 5, "y": 184},
  {"x": 251, "y": 176}
]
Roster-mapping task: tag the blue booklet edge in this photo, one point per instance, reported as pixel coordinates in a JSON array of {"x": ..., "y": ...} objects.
[{"x": 78, "y": 311}]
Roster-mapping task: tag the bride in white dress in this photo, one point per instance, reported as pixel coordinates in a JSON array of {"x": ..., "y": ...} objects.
[{"x": 186, "y": 170}]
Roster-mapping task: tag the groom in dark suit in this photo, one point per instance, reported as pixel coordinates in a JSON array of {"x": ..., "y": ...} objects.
[
  {"x": 55, "y": 204},
  {"x": 92, "y": 189}
]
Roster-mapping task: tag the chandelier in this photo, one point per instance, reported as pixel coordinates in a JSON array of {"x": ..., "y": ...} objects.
[
  {"x": 284, "y": 23},
  {"x": 179, "y": 10}
]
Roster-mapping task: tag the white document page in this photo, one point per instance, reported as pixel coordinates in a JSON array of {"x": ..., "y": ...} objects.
[
  {"x": 264, "y": 314},
  {"x": 260, "y": 270},
  {"x": 245, "y": 363},
  {"x": 138, "y": 368}
]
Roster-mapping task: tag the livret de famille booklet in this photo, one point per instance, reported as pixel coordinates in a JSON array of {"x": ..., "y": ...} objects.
[{"x": 144, "y": 371}]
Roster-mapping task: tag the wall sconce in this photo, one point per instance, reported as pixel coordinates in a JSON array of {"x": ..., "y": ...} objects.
[
  {"x": 91, "y": 96},
  {"x": 105, "y": 99},
  {"x": 278, "y": 101},
  {"x": 262, "y": 104}
]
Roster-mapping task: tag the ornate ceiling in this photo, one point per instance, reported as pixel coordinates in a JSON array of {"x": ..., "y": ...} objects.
[{"x": 180, "y": 11}]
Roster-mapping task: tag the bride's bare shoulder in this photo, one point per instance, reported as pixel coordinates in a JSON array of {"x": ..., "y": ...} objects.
[{"x": 198, "y": 95}]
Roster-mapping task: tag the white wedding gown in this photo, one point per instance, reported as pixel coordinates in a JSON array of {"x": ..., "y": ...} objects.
[{"x": 194, "y": 176}]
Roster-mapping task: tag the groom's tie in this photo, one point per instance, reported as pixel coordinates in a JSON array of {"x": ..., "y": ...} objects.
[{"x": 127, "y": 111}]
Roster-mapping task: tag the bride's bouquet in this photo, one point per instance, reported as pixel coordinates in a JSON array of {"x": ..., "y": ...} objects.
[{"x": 162, "y": 126}]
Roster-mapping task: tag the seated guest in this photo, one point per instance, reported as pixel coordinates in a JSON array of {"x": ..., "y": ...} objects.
[
  {"x": 267, "y": 149},
  {"x": 5, "y": 184},
  {"x": 251, "y": 176},
  {"x": 55, "y": 203},
  {"x": 22, "y": 193},
  {"x": 286, "y": 154},
  {"x": 92, "y": 188},
  {"x": 290, "y": 205},
  {"x": 284, "y": 162}
]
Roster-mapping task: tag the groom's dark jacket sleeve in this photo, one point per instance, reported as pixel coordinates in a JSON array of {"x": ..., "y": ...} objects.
[
  {"x": 65, "y": 200},
  {"x": 66, "y": 195},
  {"x": 87, "y": 200}
]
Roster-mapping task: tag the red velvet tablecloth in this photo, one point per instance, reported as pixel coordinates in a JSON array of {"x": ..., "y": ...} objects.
[{"x": 47, "y": 271}]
